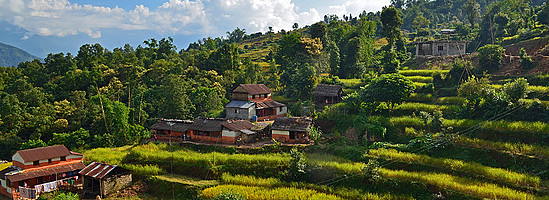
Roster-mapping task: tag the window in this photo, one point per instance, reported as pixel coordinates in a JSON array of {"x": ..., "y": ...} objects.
[
  {"x": 63, "y": 158},
  {"x": 292, "y": 135},
  {"x": 253, "y": 96},
  {"x": 440, "y": 48},
  {"x": 36, "y": 163},
  {"x": 49, "y": 160},
  {"x": 235, "y": 110}
]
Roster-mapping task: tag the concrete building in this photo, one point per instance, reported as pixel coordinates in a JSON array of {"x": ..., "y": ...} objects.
[
  {"x": 440, "y": 48},
  {"x": 253, "y": 102}
]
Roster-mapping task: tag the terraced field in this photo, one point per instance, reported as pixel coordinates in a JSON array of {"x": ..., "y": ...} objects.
[{"x": 484, "y": 159}]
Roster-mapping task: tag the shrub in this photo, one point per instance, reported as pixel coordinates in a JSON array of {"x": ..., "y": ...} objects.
[
  {"x": 490, "y": 56},
  {"x": 525, "y": 60}
]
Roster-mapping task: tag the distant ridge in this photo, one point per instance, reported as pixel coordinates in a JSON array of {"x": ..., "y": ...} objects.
[{"x": 12, "y": 56}]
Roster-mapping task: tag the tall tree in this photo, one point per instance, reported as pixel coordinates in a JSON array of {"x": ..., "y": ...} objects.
[{"x": 472, "y": 11}]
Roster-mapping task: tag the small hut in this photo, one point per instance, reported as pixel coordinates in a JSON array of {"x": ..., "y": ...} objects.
[
  {"x": 291, "y": 129},
  {"x": 103, "y": 179},
  {"x": 327, "y": 94}
]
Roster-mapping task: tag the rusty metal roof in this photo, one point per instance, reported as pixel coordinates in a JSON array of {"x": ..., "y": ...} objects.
[
  {"x": 44, "y": 153},
  {"x": 45, "y": 171},
  {"x": 254, "y": 89},
  {"x": 97, "y": 170},
  {"x": 239, "y": 125},
  {"x": 268, "y": 104}
]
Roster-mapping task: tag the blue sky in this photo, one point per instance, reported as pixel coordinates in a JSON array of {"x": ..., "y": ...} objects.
[{"x": 52, "y": 26}]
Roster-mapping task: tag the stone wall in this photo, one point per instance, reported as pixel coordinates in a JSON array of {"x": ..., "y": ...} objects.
[{"x": 116, "y": 183}]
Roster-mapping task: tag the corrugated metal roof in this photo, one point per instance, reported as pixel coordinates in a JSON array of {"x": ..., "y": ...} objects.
[
  {"x": 328, "y": 90},
  {"x": 254, "y": 89},
  {"x": 292, "y": 123},
  {"x": 97, "y": 170},
  {"x": 44, "y": 153},
  {"x": 207, "y": 124},
  {"x": 269, "y": 104},
  {"x": 9, "y": 169},
  {"x": 45, "y": 171},
  {"x": 238, "y": 125},
  {"x": 240, "y": 104},
  {"x": 172, "y": 125}
]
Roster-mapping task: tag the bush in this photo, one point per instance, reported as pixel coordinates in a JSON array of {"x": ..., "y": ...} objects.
[
  {"x": 490, "y": 56},
  {"x": 525, "y": 60}
]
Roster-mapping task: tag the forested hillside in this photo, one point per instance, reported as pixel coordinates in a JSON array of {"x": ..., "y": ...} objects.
[
  {"x": 12, "y": 56},
  {"x": 408, "y": 127}
]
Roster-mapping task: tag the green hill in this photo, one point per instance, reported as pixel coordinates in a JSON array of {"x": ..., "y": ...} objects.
[{"x": 12, "y": 56}]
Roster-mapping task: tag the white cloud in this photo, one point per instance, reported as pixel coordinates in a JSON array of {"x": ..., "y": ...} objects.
[
  {"x": 205, "y": 17},
  {"x": 356, "y": 7}
]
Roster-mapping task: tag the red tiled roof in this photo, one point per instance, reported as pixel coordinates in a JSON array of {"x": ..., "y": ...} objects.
[
  {"x": 97, "y": 170},
  {"x": 45, "y": 171},
  {"x": 43, "y": 153},
  {"x": 254, "y": 89},
  {"x": 238, "y": 125}
]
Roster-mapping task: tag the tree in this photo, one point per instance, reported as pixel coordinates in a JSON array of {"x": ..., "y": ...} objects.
[
  {"x": 319, "y": 30},
  {"x": 295, "y": 26},
  {"x": 472, "y": 11},
  {"x": 516, "y": 90},
  {"x": 421, "y": 22},
  {"x": 297, "y": 166},
  {"x": 236, "y": 35},
  {"x": 315, "y": 133},
  {"x": 390, "y": 18},
  {"x": 490, "y": 56},
  {"x": 393, "y": 89}
]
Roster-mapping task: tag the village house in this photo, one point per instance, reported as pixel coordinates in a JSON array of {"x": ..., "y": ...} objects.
[
  {"x": 253, "y": 102},
  {"x": 327, "y": 94},
  {"x": 291, "y": 129},
  {"x": 440, "y": 48},
  {"x": 218, "y": 130},
  {"x": 103, "y": 179},
  {"x": 174, "y": 129},
  {"x": 40, "y": 170}
]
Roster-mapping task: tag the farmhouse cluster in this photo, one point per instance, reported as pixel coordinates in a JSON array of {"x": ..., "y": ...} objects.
[
  {"x": 46, "y": 169},
  {"x": 251, "y": 116}
]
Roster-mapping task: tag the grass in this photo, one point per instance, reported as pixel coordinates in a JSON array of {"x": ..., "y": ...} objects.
[
  {"x": 187, "y": 180},
  {"x": 418, "y": 84},
  {"x": 407, "y": 121},
  {"x": 521, "y": 127},
  {"x": 261, "y": 193},
  {"x": 347, "y": 193},
  {"x": 421, "y": 72},
  {"x": 351, "y": 83},
  {"x": 281, "y": 98},
  {"x": 451, "y": 100},
  {"x": 154, "y": 159},
  {"x": 470, "y": 168},
  {"x": 438, "y": 180},
  {"x": 459, "y": 184},
  {"x": 422, "y": 79},
  {"x": 409, "y": 108},
  {"x": 540, "y": 152},
  {"x": 421, "y": 97}
]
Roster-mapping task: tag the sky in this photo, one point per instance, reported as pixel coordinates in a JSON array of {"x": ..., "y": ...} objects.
[{"x": 51, "y": 26}]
